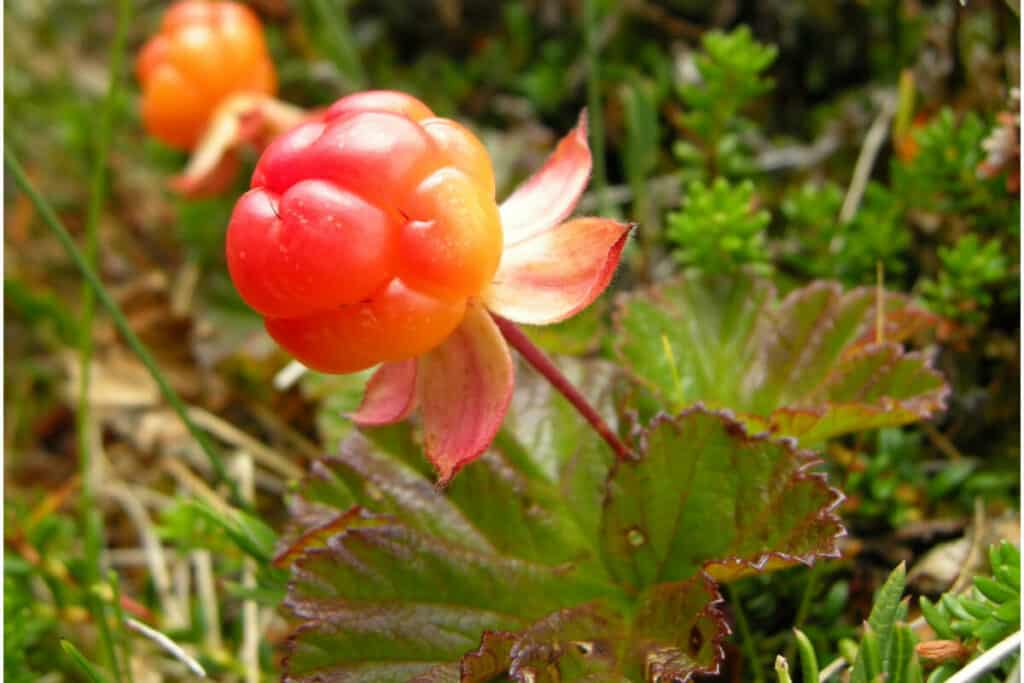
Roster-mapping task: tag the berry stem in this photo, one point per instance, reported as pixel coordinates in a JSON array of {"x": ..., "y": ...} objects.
[{"x": 518, "y": 340}]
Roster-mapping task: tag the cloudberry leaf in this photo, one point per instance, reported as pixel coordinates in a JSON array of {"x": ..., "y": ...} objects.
[
  {"x": 706, "y": 492},
  {"x": 524, "y": 568},
  {"x": 808, "y": 365}
]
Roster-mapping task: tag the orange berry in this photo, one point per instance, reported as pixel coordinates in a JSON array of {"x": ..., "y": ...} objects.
[
  {"x": 204, "y": 53},
  {"x": 397, "y": 324},
  {"x": 390, "y": 101},
  {"x": 463, "y": 149},
  {"x": 452, "y": 243},
  {"x": 365, "y": 234}
]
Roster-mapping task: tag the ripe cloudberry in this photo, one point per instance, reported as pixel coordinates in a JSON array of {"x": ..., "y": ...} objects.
[
  {"x": 365, "y": 233},
  {"x": 204, "y": 53},
  {"x": 371, "y": 236}
]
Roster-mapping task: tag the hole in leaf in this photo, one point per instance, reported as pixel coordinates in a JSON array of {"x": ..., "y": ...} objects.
[
  {"x": 696, "y": 640},
  {"x": 635, "y": 537}
]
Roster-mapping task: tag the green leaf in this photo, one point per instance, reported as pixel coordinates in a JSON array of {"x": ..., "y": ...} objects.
[
  {"x": 902, "y": 659},
  {"x": 993, "y": 590},
  {"x": 718, "y": 230},
  {"x": 248, "y": 533},
  {"x": 782, "y": 670},
  {"x": 808, "y": 657},
  {"x": 944, "y": 672},
  {"x": 868, "y": 664},
  {"x": 707, "y": 495},
  {"x": 1009, "y": 612},
  {"x": 976, "y": 608},
  {"x": 730, "y": 68},
  {"x": 885, "y": 612},
  {"x": 806, "y": 366},
  {"x": 87, "y": 668},
  {"x": 936, "y": 619},
  {"x": 514, "y": 570}
]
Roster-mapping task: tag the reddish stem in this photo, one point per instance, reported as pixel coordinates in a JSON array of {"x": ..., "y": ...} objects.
[{"x": 518, "y": 340}]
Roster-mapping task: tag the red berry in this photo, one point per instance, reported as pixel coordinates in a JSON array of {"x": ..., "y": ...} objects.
[{"x": 365, "y": 234}]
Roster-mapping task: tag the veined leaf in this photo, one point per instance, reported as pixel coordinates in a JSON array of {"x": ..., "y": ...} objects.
[
  {"x": 812, "y": 365},
  {"x": 535, "y": 563},
  {"x": 705, "y": 495},
  {"x": 886, "y": 612}
]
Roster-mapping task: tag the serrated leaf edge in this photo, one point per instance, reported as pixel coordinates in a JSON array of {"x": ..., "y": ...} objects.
[{"x": 736, "y": 427}]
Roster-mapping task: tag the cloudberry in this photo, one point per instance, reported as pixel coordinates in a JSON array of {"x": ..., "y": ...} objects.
[
  {"x": 203, "y": 53},
  {"x": 365, "y": 234}
]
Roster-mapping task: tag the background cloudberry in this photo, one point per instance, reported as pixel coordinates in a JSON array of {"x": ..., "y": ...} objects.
[
  {"x": 203, "y": 53},
  {"x": 365, "y": 233}
]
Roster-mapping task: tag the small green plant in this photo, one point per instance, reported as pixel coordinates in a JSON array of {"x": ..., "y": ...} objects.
[
  {"x": 970, "y": 270},
  {"x": 877, "y": 234},
  {"x": 811, "y": 214},
  {"x": 978, "y": 620},
  {"x": 887, "y": 484},
  {"x": 719, "y": 229},
  {"x": 942, "y": 176},
  {"x": 820, "y": 245},
  {"x": 26, "y": 622},
  {"x": 965, "y": 626},
  {"x": 886, "y": 649},
  {"x": 731, "y": 68}
]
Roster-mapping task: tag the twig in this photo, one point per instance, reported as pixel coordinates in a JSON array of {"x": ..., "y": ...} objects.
[
  {"x": 155, "y": 558},
  {"x": 184, "y": 288},
  {"x": 799, "y": 156},
  {"x": 941, "y": 441},
  {"x": 127, "y": 557},
  {"x": 837, "y": 665},
  {"x": 284, "y": 431},
  {"x": 987, "y": 660},
  {"x": 168, "y": 645},
  {"x": 181, "y": 578},
  {"x": 236, "y": 437},
  {"x": 518, "y": 340},
  {"x": 873, "y": 142},
  {"x": 207, "y": 590},
  {"x": 249, "y": 653},
  {"x": 673, "y": 24},
  {"x": 879, "y": 303},
  {"x": 189, "y": 480},
  {"x": 266, "y": 481},
  {"x": 289, "y": 375},
  {"x": 963, "y": 579}
]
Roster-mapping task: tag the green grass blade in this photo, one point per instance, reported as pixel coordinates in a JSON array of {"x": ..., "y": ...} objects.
[
  {"x": 92, "y": 520},
  {"x": 782, "y": 670},
  {"x": 808, "y": 657},
  {"x": 125, "y": 642},
  {"x": 885, "y": 612},
  {"x": 747, "y": 643},
  {"x": 595, "y": 110},
  {"x": 87, "y": 668},
  {"x": 170, "y": 395},
  {"x": 97, "y": 197},
  {"x": 340, "y": 42}
]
